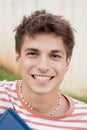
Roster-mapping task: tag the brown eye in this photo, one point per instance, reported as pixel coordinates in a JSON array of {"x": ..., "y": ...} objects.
[
  {"x": 55, "y": 56},
  {"x": 32, "y": 54}
]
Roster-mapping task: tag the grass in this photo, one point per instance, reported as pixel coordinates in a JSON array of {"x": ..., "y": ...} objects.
[{"x": 6, "y": 75}]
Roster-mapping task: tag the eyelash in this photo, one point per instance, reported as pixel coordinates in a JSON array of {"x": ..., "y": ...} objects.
[
  {"x": 32, "y": 54},
  {"x": 55, "y": 56}
]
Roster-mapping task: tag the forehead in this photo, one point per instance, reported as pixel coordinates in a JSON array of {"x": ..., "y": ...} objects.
[{"x": 46, "y": 42}]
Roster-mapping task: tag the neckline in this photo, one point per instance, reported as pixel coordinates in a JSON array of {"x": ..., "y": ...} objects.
[{"x": 40, "y": 115}]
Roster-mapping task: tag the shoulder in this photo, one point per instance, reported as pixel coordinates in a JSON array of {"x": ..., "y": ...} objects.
[
  {"x": 80, "y": 107},
  {"x": 7, "y": 93},
  {"x": 78, "y": 102},
  {"x": 7, "y": 84}
]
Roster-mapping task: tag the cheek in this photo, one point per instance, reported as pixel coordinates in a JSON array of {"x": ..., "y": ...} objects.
[
  {"x": 60, "y": 67},
  {"x": 26, "y": 63}
]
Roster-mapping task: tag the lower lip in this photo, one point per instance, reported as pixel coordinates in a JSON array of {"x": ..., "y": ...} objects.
[{"x": 40, "y": 82}]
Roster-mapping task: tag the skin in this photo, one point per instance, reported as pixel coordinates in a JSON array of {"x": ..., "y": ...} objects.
[{"x": 42, "y": 65}]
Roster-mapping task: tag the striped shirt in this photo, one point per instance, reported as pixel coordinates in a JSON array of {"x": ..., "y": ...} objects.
[{"x": 74, "y": 119}]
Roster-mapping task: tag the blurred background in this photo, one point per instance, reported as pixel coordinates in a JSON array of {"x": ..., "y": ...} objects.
[{"x": 12, "y": 12}]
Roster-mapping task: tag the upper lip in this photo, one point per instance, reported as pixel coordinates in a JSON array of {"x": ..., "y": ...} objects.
[{"x": 43, "y": 76}]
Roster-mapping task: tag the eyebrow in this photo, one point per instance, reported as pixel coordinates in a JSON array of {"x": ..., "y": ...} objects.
[
  {"x": 31, "y": 49},
  {"x": 58, "y": 51}
]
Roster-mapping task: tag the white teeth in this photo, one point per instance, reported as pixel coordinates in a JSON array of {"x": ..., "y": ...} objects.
[{"x": 42, "y": 78}]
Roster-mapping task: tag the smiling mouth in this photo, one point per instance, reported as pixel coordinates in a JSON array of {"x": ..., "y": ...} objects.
[{"x": 42, "y": 78}]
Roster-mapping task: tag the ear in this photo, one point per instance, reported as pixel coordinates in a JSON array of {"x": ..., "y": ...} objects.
[
  {"x": 68, "y": 63},
  {"x": 18, "y": 57}
]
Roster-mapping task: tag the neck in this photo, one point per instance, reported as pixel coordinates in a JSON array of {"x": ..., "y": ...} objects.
[{"x": 43, "y": 103}]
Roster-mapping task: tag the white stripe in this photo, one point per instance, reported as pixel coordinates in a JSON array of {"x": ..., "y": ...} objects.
[
  {"x": 5, "y": 96},
  {"x": 12, "y": 94},
  {"x": 57, "y": 123},
  {"x": 22, "y": 110},
  {"x": 15, "y": 101},
  {"x": 84, "y": 118},
  {"x": 76, "y": 111},
  {"x": 6, "y": 104},
  {"x": 42, "y": 127},
  {"x": 81, "y": 105}
]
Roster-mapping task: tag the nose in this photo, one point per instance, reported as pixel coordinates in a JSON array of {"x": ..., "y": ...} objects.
[{"x": 43, "y": 64}]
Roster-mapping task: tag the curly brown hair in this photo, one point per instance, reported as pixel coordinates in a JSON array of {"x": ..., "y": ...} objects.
[{"x": 44, "y": 22}]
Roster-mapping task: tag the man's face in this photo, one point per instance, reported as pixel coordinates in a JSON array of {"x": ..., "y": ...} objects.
[{"x": 42, "y": 63}]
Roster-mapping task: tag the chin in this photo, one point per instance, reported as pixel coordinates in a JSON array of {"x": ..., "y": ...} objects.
[{"x": 42, "y": 91}]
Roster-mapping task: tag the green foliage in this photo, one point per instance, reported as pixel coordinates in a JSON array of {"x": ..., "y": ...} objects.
[{"x": 6, "y": 75}]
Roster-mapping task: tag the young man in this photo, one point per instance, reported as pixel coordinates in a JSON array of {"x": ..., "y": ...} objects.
[{"x": 44, "y": 45}]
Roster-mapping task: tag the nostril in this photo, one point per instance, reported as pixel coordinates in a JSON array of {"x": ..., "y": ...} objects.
[{"x": 43, "y": 70}]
